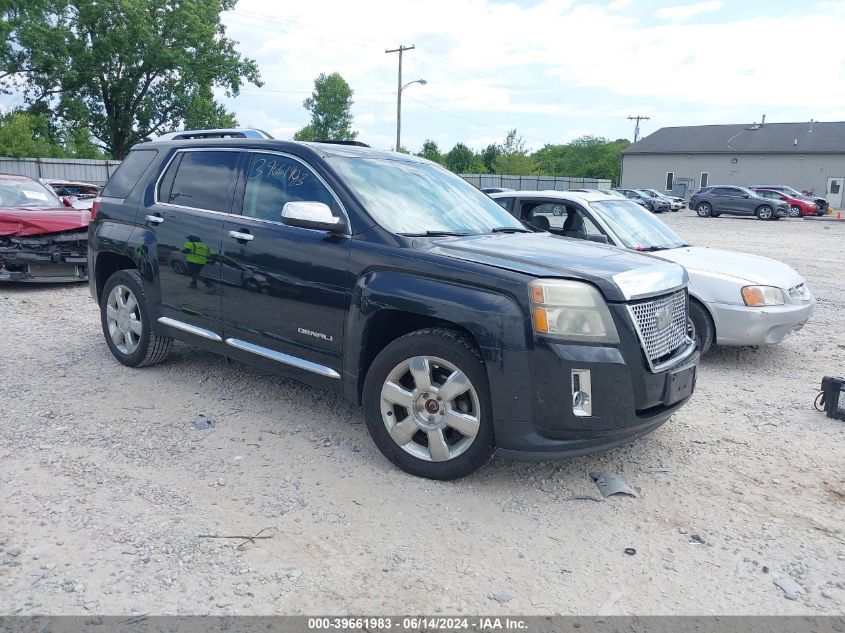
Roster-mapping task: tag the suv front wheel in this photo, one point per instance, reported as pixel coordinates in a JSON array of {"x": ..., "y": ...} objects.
[
  {"x": 126, "y": 321},
  {"x": 427, "y": 405}
]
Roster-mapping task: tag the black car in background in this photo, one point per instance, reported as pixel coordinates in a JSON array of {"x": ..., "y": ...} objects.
[
  {"x": 711, "y": 202},
  {"x": 655, "y": 205}
]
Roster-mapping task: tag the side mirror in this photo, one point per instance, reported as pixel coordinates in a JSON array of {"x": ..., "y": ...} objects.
[
  {"x": 601, "y": 239},
  {"x": 745, "y": 195},
  {"x": 66, "y": 201},
  {"x": 312, "y": 215}
]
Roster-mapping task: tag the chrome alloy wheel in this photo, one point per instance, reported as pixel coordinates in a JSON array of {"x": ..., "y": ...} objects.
[
  {"x": 430, "y": 408},
  {"x": 123, "y": 316}
]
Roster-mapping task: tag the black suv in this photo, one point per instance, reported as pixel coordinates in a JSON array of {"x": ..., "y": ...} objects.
[
  {"x": 389, "y": 279},
  {"x": 711, "y": 202}
]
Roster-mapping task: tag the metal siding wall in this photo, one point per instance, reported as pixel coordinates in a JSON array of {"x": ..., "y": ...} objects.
[
  {"x": 93, "y": 171},
  {"x": 809, "y": 171}
]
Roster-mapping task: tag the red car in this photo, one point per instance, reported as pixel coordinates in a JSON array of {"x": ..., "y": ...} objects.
[
  {"x": 797, "y": 208},
  {"x": 41, "y": 239}
]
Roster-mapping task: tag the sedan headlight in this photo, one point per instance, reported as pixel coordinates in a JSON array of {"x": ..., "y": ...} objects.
[
  {"x": 571, "y": 310},
  {"x": 756, "y": 296}
]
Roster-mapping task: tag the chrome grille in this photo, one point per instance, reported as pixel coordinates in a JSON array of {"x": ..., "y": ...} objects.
[{"x": 661, "y": 324}]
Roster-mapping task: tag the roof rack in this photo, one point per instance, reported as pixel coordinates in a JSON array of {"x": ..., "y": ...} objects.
[
  {"x": 217, "y": 133},
  {"x": 354, "y": 143}
]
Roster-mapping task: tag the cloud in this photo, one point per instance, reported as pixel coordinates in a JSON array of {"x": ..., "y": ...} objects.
[
  {"x": 687, "y": 11},
  {"x": 618, "y": 5}
]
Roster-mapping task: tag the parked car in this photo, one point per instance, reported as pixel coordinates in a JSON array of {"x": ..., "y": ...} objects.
[
  {"x": 495, "y": 189},
  {"x": 655, "y": 205},
  {"x": 794, "y": 193},
  {"x": 41, "y": 239},
  {"x": 613, "y": 193},
  {"x": 80, "y": 194},
  {"x": 711, "y": 202},
  {"x": 735, "y": 299},
  {"x": 798, "y": 207},
  {"x": 675, "y": 203},
  {"x": 460, "y": 329}
]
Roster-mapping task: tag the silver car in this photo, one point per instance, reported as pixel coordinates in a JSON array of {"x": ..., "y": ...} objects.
[{"x": 735, "y": 298}]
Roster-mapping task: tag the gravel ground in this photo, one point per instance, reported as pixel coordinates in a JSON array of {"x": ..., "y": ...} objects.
[{"x": 106, "y": 485}]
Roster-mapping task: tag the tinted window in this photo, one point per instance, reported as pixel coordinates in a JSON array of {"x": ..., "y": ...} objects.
[
  {"x": 275, "y": 180},
  {"x": 202, "y": 180},
  {"x": 723, "y": 191},
  {"x": 129, "y": 173},
  {"x": 505, "y": 203}
]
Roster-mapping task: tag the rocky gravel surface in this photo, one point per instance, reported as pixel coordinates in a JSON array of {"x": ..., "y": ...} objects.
[{"x": 111, "y": 488}]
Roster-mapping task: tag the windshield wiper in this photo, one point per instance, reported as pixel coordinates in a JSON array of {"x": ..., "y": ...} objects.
[
  {"x": 651, "y": 249},
  {"x": 509, "y": 229},
  {"x": 436, "y": 234}
]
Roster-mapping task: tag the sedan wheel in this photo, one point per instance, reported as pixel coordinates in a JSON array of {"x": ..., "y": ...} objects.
[
  {"x": 704, "y": 210},
  {"x": 794, "y": 212},
  {"x": 430, "y": 408},
  {"x": 123, "y": 317}
]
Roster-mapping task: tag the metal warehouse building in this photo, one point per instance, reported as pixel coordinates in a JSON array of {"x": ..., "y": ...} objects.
[{"x": 807, "y": 156}]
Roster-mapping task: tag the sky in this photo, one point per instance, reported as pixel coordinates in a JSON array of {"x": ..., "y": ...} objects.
[{"x": 553, "y": 69}]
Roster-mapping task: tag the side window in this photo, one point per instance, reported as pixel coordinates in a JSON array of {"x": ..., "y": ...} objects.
[
  {"x": 720, "y": 191},
  {"x": 505, "y": 203},
  {"x": 129, "y": 173},
  {"x": 591, "y": 227},
  {"x": 551, "y": 212},
  {"x": 200, "y": 180},
  {"x": 273, "y": 181}
]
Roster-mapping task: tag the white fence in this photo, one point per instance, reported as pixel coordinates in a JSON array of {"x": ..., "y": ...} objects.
[
  {"x": 535, "y": 183},
  {"x": 93, "y": 171}
]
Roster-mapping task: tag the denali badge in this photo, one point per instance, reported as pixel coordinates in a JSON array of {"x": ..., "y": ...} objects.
[
  {"x": 663, "y": 318},
  {"x": 302, "y": 330}
]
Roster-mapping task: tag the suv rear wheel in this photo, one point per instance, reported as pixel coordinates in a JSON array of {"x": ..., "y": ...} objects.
[
  {"x": 704, "y": 210},
  {"x": 427, "y": 405},
  {"x": 126, "y": 322}
]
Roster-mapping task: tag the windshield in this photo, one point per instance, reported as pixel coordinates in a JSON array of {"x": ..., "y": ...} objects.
[
  {"x": 415, "y": 198},
  {"x": 26, "y": 193},
  {"x": 635, "y": 227}
]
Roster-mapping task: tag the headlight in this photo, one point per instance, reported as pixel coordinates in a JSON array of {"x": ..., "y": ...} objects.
[
  {"x": 762, "y": 296},
  {"x": 571, "y": 310}
]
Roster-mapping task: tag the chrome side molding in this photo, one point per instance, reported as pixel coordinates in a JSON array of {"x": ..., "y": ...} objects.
[
  {"x": 293, "y": 361},
  {"x": 192, "y": 329}
]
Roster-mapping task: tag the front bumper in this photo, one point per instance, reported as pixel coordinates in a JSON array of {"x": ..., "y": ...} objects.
[
  {"x": 741, "y": 325},
  {"x": 59, "y": 257},
  {"x": 628, "y": 400}
]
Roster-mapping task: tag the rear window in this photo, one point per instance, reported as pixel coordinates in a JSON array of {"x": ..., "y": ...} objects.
[{"x": 129, "y": 173}]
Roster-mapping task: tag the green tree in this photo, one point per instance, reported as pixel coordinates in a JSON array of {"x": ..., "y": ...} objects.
[
  {"x": 513, "y": 158},
  {"x": 23, "y": 135},
  {"x": 586, "y": 157},
  {"x": 431, "y": 151},
  {"x": 489, "y": 155},
  {"x": 331, "y": 111},
  {"x": 204, "y": 112},
  {"x": 459, "y": 159},
  {"x": 131, "y": 69}
]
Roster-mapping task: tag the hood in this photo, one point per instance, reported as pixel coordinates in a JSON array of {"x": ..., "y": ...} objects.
[
  {"x": 22, "y": 221},
  {"x": 620, "y": 275},
  {"x": 752, "y": 269}
]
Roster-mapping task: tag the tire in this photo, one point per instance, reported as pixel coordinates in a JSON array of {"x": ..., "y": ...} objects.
[
  {"x": 702, "y": 329},
  {"x": 764, "y": 212},
  {"x": 437, "y": 353},
  {"x": 127, "y": 328},
  {"x": 795, "y": 211},
  {"x": 179, "y": 267},
  {"x": 704, "y": 210}
]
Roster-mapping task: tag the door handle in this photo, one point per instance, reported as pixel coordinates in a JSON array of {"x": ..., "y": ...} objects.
[
  {"x": 155, "y": 219},
  {"x": 247, "y": 237}
]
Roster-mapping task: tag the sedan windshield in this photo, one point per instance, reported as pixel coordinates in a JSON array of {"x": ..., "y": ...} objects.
[
  {"x": 635, "y": 227},
  {"x": 26, "y": 193},
  {"x": 415, "y": 198}
]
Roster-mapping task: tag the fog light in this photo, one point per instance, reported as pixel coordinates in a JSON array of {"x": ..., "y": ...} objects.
[{"x": 582, "y": 393}]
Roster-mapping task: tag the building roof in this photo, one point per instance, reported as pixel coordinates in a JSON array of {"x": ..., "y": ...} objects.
[{"x": 771, "y": 138}]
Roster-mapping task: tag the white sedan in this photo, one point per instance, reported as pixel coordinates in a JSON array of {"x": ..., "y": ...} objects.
[{"x": 735, "y": 298}]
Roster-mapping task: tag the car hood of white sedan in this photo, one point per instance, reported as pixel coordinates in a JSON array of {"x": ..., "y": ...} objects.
[{"x": 753, "y": 269}]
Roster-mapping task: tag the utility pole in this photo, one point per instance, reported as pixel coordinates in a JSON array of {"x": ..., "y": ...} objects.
[
  {"x": 638, "y": 118},
  {"x": 399, "y": 50}
]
